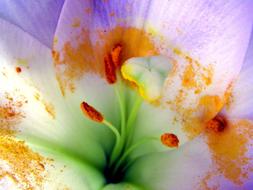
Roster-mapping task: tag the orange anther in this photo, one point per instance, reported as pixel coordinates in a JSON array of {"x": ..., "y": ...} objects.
[
  {"x": 18, "y": 70},
  {"x": 217, "y": 124},
  {"x": 112, "y": 62},
  {"x": 110, "y": 70},
  {"x": 115, "y": 54},
  {"x": 91, "y": 112},
  {"x": 170, "y": 140}
]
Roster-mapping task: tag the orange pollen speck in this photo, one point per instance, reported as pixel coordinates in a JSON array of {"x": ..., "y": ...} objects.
[
  {"x": 170, "y": 140},
  {"x": 110, "y": 70},
  {"x": 56, "y": 56},
  {"x": 18, "y": 70},
  {"x": 91, "y": 112},
  {"x": 217, "y": 124}
]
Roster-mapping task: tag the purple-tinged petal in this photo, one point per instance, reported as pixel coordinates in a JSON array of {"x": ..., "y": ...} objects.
[
  {"x": 205, "y": 40},
  {"x": 31, "y": 104},
  {"x": 38, "y": 18},
  {"x": 211, "y": 161},
  {"x": 240, "y": 101}
]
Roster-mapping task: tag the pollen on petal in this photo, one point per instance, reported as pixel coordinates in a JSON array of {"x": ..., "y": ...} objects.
[
  {"x": 230, "y": 153},
  {"x": 91, "y": 112},
  {"x": 11, "y": 112},
  {"x": 170, "y": 140},
  {"x": 75, "y": 57},
  {"x": 20, "y": 164},
  {"x": 110, "y": 69}
]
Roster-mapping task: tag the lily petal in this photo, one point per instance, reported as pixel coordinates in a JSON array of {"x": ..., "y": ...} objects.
[
  {"x": 168, "y": 168},
  {"x": 36, "y": 167},
  {"x": 38, "y": 18},
  {"x": 240, "y": 100},
  {"x": 208, "y": 55},
  {"x": 210, "y": 161},
  {"x": 32, "y": 104}
]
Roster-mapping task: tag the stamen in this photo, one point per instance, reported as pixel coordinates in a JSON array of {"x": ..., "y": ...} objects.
[
  {"x": 131, "y": 119},
  {"x": 95, "y": 115},
  {"x": 170, "y": 140},
  {"x": 217, "y": 124},
  {"x": 18, "y": 70},
  {"x": 117, "y": 147},
  {"x": 112, "y": 63},
  {"x": 132, "y": 148},
  {"x": 91, "y": 112},
  {"x": 115, "y": 54},
  {"x": 110, "y": 69}
]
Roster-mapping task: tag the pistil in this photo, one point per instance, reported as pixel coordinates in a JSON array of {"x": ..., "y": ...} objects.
[
  {"x": 96, "y": 116},
  {"x": 140, "y": 71}
]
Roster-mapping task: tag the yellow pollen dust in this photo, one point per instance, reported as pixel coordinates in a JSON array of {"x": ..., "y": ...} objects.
[
  {"x": 11, "y": 113},
  {"x": 21, "y": 165},
  {"x": 230, "y": 154},
  {"x": 77, "y": 56}
]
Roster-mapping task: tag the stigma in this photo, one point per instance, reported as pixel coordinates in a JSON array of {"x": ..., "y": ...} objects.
[
  {"x": 148, "y": 74},
  {"x": 170, "y": 140}
]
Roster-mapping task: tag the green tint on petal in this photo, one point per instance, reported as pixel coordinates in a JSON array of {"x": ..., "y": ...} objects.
[
  {"x": 180, "y": 169},
  {"x": 65, "y": 171},
  {"x": 40, "y": 110},
  {"x": 148, "y": 73},
  {"x": 122, "y": 186}
]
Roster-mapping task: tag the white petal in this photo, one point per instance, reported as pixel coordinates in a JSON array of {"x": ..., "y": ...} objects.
[
  {"x": 212, "y": 43},
  {"x": 32, "y": 103},
  {"x": 211, "y": 161},
  {"x": 41, "y": 168},
  {"x": 240, "y": 102}
]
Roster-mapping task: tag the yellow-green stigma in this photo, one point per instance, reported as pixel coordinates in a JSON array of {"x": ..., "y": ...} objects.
[{"x": 148, "y": 74}]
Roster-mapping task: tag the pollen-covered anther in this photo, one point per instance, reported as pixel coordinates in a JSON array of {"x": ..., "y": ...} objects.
[
  {"x": 110, "y": 69},
  {"x": 91, "y": 112},
  {"x": 112, "y": 62},
  {"x": 18, "y": 69},
  {"x": 170, "y": 140},
  {"x": 116, "y": 55},
  {"x": 217, "y": 124}
]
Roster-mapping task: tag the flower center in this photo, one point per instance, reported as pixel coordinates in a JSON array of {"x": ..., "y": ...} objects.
[{"x": 148, "y": 75}]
